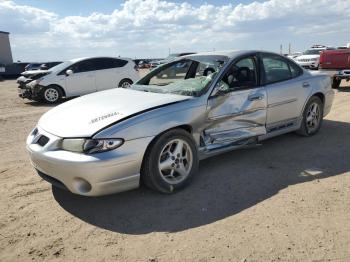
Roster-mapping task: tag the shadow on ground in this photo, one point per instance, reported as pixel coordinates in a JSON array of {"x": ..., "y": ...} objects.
[
  {"x": 43, "y": 104},
  {"x": 224, "y": 186}
]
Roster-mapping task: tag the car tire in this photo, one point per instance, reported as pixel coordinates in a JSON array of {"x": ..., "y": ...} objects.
[
  {"x": 312, "y": 117},
  {"x": 170, "y": 162},
  {"x": 51, "y": 94},
  {"x": 125, "y": 83},
  {"x": 336, "y": 83}
]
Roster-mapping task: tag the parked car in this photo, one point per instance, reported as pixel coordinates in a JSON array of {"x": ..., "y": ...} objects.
[
  {"x": 173, "y": 56},
  {"x": 169, "y": 58},
  {"x": 339, "y": 76},
  {"x": 310, "y": 58},
  {"x": 294, "y": 55},
  {"x": 48, "y": 65},
  {"x": 32, "y": 66},
  {"x": 154, "y": 63},
  {"x": 13, "y": 70},
  {"x": 143, "y": 64},
  {"x": 78, "y": 77},
  {"x": 158, "y": 129},
  {"x": 335, "y": 59}
]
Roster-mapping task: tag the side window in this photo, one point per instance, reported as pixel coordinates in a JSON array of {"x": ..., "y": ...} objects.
[
  {"x": 83, "y": 66},
  {"x": 295, "y": 70},
  {"x": 108, "y": 63},
  {"x": 276, "y": 69},
  {"x": 241, "y": 75}
]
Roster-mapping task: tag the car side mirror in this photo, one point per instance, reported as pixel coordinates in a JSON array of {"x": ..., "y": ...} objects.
[
  {"x": 220, "y": 89},
  {"x": 69, "y": 72}
]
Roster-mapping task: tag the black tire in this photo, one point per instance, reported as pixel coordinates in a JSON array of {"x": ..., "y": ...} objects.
[
  {"x": 51, "y": 94},
  {"x": 336, "y": 83},
  {"x": 125, "y": 83},
  {"x": 150, "y": 173},
  {"x": 305, "y": 129}
]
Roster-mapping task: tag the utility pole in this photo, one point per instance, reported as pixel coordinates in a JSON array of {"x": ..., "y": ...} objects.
[
  {"x": 281, "y": 49},
  {"x": 290, "y": 49}
]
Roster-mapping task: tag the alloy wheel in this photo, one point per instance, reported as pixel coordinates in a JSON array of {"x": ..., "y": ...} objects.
[
  {"x": 51, "y": 94},
  {"x": 313, "y": 117},
  {"x": 175, "y": 161}
]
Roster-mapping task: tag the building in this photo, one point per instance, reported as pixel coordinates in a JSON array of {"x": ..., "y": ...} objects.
[{"x": 5, "y": 49}]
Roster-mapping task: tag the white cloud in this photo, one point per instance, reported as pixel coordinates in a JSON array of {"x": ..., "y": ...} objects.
[{"x": 149, "y": 28}]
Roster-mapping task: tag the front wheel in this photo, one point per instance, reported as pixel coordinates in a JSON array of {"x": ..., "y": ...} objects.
[
  {"x": 171, "y": 162},
  {"x": 51, "y": 94},
  {"x": 125, "y": 83},
  {"x": 312, "y": 117},
  {"x": 336, "y": 83}
]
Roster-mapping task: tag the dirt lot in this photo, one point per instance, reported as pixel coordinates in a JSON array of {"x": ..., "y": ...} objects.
[{"x": 250, "y": 205}]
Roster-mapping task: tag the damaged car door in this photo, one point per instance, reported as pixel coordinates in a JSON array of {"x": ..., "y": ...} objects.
[{"x": 237, "y": 106}]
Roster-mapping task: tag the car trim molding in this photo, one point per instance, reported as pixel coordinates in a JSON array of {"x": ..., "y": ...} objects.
[
  {"x": 237, "y": 114},
  {"x": 282, "y": 102}
]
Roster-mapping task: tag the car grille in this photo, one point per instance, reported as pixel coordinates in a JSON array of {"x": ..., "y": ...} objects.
[
  {"x": 304, "y": 60},
  {"x": 43, "y": 140}
]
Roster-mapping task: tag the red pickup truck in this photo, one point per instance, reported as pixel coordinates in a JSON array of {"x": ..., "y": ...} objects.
[{"x": 335, "y": 59}]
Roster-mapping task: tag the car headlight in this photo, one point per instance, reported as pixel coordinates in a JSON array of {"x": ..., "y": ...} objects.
[{"x": 90, "y": 146}]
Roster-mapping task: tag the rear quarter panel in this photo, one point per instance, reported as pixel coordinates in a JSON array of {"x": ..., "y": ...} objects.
[{"x": 321, "y": 83}]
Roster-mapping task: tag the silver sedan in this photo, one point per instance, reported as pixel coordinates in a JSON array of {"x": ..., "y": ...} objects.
[{"x": 191, "y": 108}]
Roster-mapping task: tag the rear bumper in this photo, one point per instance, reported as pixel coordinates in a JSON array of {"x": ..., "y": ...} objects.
[{"x": 343, "y": 74}]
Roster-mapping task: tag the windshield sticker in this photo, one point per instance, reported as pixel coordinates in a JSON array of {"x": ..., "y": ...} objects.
[{"x": 100, "y": 118}]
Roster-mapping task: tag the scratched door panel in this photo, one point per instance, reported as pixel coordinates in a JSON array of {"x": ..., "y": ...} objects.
[{"x": 235, "y": 116}]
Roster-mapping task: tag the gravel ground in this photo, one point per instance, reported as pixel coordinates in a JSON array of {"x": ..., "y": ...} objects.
[{"x": 287, "y": 200}]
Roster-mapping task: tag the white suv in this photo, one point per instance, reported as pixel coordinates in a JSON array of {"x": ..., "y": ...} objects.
[
  {"x": 78, "y": 77},
  {"x": 311, "y": 58}
]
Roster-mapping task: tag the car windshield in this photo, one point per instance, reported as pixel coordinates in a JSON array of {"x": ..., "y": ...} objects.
[
  {"x": 61, "y": 66},
  {"x": 312, "y": 52},
  {"x": 189, "y": 76}
]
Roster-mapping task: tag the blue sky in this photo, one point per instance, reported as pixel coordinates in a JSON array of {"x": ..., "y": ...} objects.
[{"x": 42, "y": 30}]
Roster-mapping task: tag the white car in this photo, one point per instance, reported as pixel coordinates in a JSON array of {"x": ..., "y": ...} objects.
[
  {"x": 294, "y": 55},
  {"x": 310, "y": 58},
  {"x": 78, "y": 77}
]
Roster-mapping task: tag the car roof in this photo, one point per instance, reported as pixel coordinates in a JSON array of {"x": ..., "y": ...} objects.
[
  {"x": 229, "y": 53},
  {"x": 74, "y": 60}
]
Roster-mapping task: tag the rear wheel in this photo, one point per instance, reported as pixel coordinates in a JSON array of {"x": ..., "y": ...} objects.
[
  {"x": 51, "y": 94},
  {"x": 125, "y": 83},
  {"x": 312, "y": 117},
  {"x": 171, "y": 162}
]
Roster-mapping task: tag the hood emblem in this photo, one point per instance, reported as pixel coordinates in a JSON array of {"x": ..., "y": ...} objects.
[{"x": 97, "y": 119}]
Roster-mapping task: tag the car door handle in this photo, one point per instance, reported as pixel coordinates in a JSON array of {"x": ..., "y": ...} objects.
[
  {"x": 306, "y": 84},
  {"x": 255, "y": 97}
]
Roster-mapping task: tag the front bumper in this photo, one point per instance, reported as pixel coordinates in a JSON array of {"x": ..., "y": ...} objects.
[
  {"x": 309, "y": 64},
  {"x": 90, "y": 175},
  {"x": 29, "y": 92},
  {"x": 343, "y": 74}
]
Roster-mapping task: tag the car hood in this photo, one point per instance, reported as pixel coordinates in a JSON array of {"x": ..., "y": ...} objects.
[
  {"x": 307, "y": 56},
  {"x": 34, "y": 72},
  {"x": 84, "y": 116}
]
